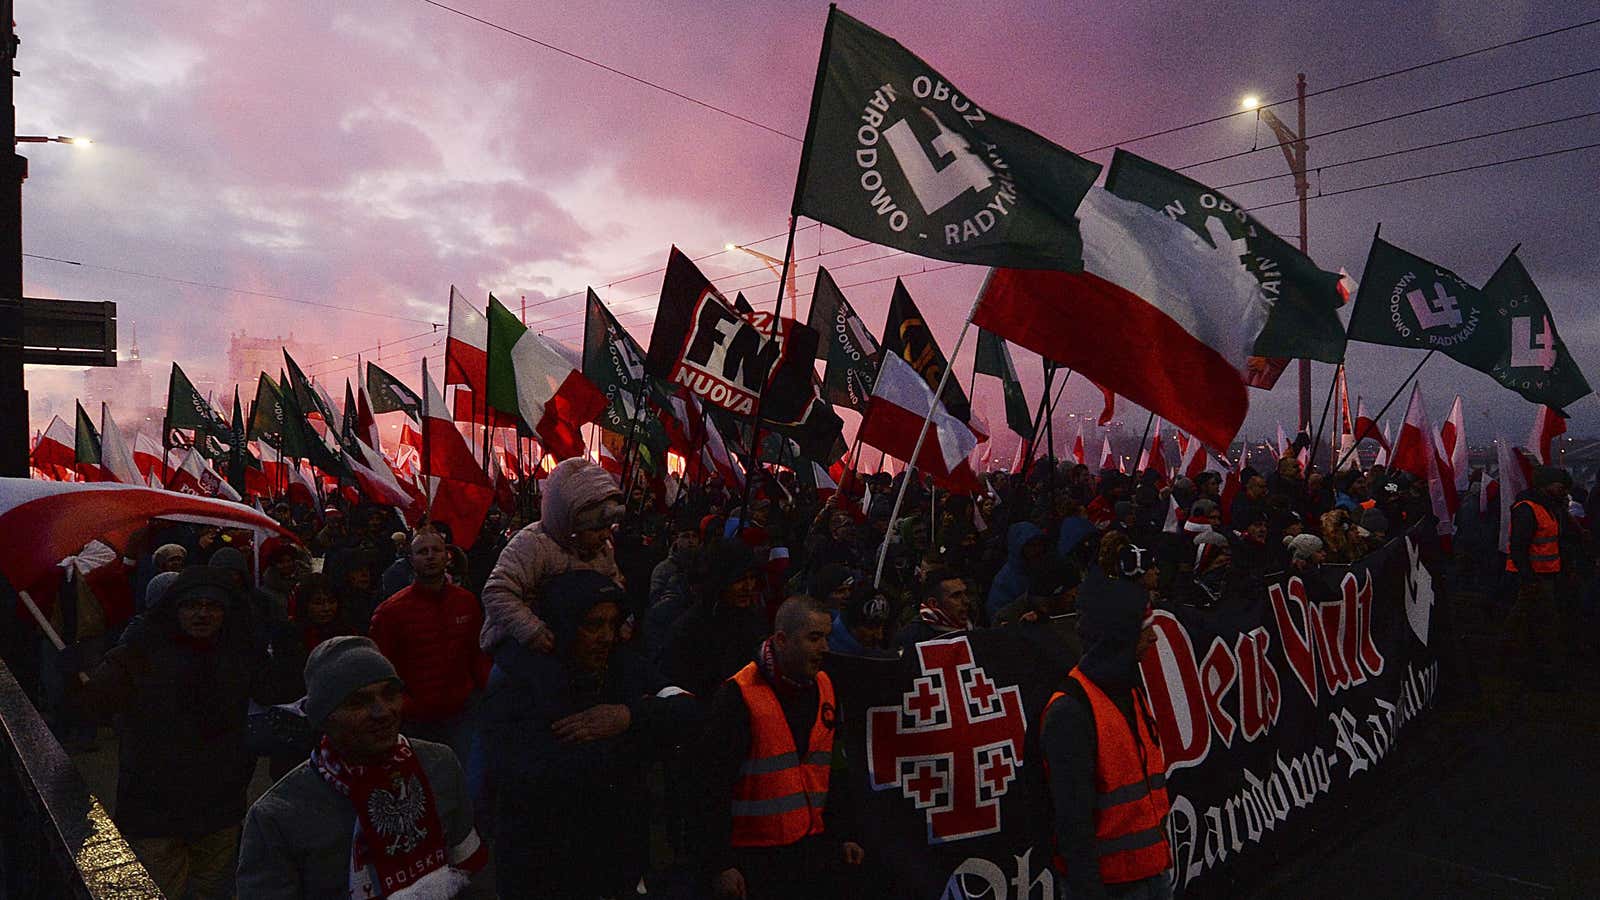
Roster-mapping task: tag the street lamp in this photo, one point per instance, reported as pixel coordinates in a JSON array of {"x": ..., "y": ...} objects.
[
  {"x": 80, "y": 143},
  {"x": 1293, "y": 144}
]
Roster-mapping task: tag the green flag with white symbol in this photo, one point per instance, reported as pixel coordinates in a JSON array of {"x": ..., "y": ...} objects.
[
  {"x": 614, "y": 361},
  {"x": 849, "y": 348},
  {"x": 387, "y": 394},
  {"x": 1305, "y": 300},
  {"x": 896, "y": 155},
  {"x": 1406, "y": 301},
  {"x": 1532, "y": 361},
  {"x": 994, "y": 358}
]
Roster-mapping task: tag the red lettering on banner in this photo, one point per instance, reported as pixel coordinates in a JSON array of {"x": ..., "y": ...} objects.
[
  {"x": 1217, "y": 674},
  {"x": 1328, "y": 623},
  {"x": 1172, "y": 680},
  {"x": 1298, "y": 644},
  {"x": 1360, "y": 597}
]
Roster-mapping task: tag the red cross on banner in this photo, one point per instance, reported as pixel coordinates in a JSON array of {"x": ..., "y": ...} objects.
[{"x": 952, "y": 746}]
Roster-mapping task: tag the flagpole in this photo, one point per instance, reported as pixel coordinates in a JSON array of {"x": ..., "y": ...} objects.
[
  {"x": 631, "y": 439},
  {"x": 777, "y": 333},
  {"x": 1316, "y": 442},
  {"x": 788, "y": 251},
  {"x": 1050, "y": 430},
  {"x": 1393, "y": 397},
  {"x": 1149, "y": 420},
  {"x": 1038, "y": 418},
  {"x": 922, "y": 436}
]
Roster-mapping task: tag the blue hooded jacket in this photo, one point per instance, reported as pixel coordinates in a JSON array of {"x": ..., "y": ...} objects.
[{"x": 1011, "y": 581}]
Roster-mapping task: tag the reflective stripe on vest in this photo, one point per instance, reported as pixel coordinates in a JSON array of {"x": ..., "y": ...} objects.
[
  {"x": 1131, "y": 795},
  {"x": 1544, "y": 551},
  {"x": 779, "y": 798}
]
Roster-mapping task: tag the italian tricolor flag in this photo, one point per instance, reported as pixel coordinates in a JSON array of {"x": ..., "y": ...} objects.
[{"x": 541, "y": 382}]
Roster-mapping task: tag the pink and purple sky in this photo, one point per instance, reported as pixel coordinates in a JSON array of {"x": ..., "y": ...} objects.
[{"x": 369, "y": 154}]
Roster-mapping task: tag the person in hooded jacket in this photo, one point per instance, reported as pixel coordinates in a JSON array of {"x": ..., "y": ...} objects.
[
  {"x": 183, "y": 677},
  {"x": 860, "y": 625},
  {"x": 579, "y": 506},
  {"x": 1104, "y": 765},
  {"x": 566, "y": 736},
  {"x": 670, "y": 577},
  {"x": 717, "y": 635},
  {"x": 316, "y": 614},
  {"x": 1026, "y": 546}
]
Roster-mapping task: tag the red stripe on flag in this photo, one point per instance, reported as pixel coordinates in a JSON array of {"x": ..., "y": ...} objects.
[{"x": 1122, "y": 343}]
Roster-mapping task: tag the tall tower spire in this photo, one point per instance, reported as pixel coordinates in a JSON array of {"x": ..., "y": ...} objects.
[{"x": 133, "y": 350}]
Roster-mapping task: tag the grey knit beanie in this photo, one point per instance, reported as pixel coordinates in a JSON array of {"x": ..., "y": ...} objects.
[
  {"x": 1303, "y": 546},
  {"x": 157, "y": 588},
  {"x": 339, "y": 667},
  {"x": 230, "y": 558}
]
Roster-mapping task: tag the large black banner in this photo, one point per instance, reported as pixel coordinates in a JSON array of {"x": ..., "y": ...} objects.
[{"x": 1273, "y": 711}]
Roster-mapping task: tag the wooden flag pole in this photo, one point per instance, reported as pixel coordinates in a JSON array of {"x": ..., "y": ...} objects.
[{"x": 922, "y": 436}]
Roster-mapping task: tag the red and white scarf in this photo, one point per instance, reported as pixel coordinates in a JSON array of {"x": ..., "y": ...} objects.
[
  {"x": 398, "y": 849},
  {"x": 941, "y": 620}
]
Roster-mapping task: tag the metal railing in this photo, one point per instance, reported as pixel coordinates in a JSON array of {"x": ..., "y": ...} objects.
[{"x": 56, "y": 840}]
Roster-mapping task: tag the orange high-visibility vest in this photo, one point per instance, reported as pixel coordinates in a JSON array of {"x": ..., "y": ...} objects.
[
  {"x": 1544, "y": 551},
  {"x": 779, "y": 797},
  {"x": 1130, "y": 778}
]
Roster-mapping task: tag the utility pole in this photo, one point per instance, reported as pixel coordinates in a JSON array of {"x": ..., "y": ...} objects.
[
  {"x": 1293, "y": 145},
  {"x": 1301, "y": 186},
  {"x": 13, "y": 392}
]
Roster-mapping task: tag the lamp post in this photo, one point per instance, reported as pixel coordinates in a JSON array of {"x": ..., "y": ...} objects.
[
  {"x": 13, "y": 389},
  {"x": 1293, "y": 144},
  {"x": 81, "y": 143},
  {"x": 13, "y": 394}
]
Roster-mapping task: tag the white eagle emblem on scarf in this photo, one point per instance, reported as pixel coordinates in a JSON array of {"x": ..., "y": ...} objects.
[{"x": 397, "y": 814}]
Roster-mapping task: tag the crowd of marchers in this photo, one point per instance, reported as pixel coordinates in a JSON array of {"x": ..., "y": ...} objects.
[{"x": 608, "y": 697}]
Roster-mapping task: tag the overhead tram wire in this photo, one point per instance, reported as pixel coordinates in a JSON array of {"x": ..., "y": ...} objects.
[
  {"x": 1138, "y": 138},
  {"x": 1391, "y": 118},
  {"x": 1460, "y": 140},
  {"x": 232, "y": 290},
  {"x": 319, "y": 364},
  {"x": 926, "y": 270},
  {"x": 1404, "y": 70},
  {"x": 660, "y": 269},
  {"x": 1424, "y": 177},
  {"x": 743, "y": 287},
  {"x": 1367, "y": 187},
  {"x": 613, "y": 70},
  {"x": 1342, "y": 86},
  {"x": 1131, "y": 140}
]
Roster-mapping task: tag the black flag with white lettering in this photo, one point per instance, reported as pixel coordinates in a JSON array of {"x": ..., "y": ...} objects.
[{"x": 726, "y": 357}]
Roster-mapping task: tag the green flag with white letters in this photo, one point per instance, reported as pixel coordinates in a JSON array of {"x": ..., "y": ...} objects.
[{"x": 896, "y": 155}]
